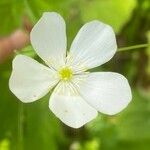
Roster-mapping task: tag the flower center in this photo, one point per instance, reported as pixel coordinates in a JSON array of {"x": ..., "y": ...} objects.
[{"x": 65, "y": 73}]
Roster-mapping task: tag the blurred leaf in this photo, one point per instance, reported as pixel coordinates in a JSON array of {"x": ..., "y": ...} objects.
[
  {"x": 148, "y": 53},
  {"x": 34, "y": 9},
  {"x": 92, "y": 145},
  {"x": 10, "y": 15},
  {"x": 113, "y": 12},
  {"x": 4, "y": 144},
  {"x": 28, "y": 51},
  {"x": 13, "y": 12},
  {"x": 134, "y": 123}
]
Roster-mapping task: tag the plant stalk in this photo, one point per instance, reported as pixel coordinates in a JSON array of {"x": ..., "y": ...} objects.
[{"x": 133, "y": 47}]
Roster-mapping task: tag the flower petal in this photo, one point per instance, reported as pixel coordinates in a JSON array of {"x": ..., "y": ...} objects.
[
  {"x": 70, "y": 107},
  {"x": 94, "y": 45},
  {"x": 107, "y": 92},
  {"x": 48, "y": 38},
  {"x": 30, "y": 80}
]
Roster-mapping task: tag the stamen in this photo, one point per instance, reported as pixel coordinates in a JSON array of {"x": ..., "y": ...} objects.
[{"x": 65, "y": 73}]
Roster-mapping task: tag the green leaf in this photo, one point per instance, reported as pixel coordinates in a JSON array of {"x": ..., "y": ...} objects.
[
  {"x": 113, "y": 12},
  {"x": 11, "y": 12}
]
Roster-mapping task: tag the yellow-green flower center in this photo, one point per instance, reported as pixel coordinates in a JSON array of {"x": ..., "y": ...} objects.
[{"x": 65, "y": 73}]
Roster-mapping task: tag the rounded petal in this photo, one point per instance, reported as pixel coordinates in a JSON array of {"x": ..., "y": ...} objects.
[
  {"x": 30, "y": 80},
  {"x": 48, "y": 38},
  {"x": 70, "y": 107},
  {"x": 94, "y": 45},
  {"x": 107, "y": 92}
]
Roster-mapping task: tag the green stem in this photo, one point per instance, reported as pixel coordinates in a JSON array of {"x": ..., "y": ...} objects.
[
  {"x": 133, "y": 47},
  {"x": 20, "y": 126}
]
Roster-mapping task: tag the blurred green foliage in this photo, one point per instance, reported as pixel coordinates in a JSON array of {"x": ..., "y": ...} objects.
[
  {"x": 33, "y": 126},
  {"x": 113, "y": 12}
]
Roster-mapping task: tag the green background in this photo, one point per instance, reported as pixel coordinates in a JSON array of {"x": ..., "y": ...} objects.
[{"x": 33, "y": 127}]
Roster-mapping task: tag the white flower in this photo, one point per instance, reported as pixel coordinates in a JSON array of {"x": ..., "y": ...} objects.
[{"x": 78, "y": 95}]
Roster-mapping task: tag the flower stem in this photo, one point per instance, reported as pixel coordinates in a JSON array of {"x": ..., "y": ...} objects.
[
  {"x": 20, "y": 126},
  {"x": 133, "y": 47}
]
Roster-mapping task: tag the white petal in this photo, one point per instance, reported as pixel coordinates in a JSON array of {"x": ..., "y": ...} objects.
[
  {"x": 30, "y": 80},
  {"x": 70, "y": 107},
  {"x": 94, "y": 45},
  {"x": 107, "y": 92},
  {"x": 48, "y": 38}
]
